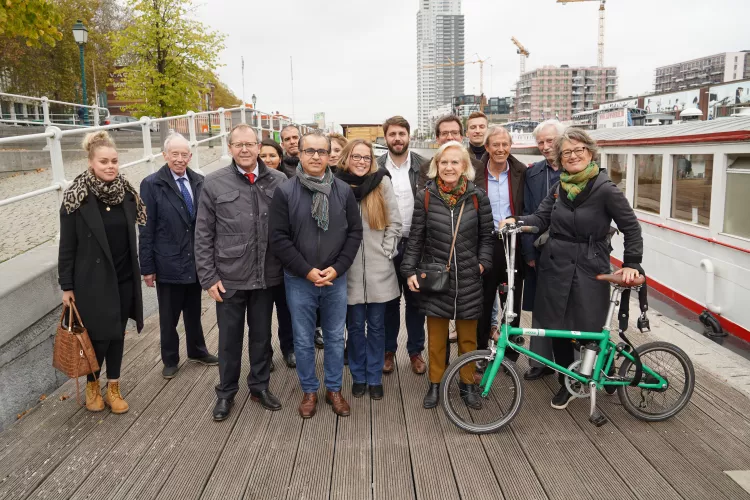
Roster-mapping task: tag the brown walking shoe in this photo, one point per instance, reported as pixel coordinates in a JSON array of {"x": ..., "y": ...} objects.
[
  {"x": 308, "y": 405},
  {"x": 114, "y": 400},
  {"x": 418, "y": 365},
  {"x": 94, "y": 401},
  {"x": 339, "y": 404},
  {"x": 388, "y": 364}
]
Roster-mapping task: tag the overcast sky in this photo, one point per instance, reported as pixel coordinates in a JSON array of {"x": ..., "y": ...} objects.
[{"x": 356, "y": 59}]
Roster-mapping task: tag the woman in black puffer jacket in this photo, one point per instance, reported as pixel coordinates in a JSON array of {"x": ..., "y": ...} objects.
[{"x": 436, "y": 211}]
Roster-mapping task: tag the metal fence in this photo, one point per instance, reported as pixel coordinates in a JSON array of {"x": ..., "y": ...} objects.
[
  {"x": 30, "y": 107},
  {"x": 265, "y": 124}
]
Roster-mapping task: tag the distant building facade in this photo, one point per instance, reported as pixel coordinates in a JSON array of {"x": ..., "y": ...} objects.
[{"x": 718, "y": 68}]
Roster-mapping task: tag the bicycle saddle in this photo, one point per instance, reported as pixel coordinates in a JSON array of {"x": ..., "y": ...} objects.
[{"x": 618, "y": 280}]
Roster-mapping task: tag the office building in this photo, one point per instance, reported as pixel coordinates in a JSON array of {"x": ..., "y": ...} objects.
[{"x": 718, "y": 68}]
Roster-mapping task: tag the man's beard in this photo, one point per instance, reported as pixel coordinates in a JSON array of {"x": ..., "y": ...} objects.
[{"x": 393, "y": 151}]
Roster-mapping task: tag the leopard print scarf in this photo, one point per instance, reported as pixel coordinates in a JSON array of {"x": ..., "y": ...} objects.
[{"x": 111, "y": 193}]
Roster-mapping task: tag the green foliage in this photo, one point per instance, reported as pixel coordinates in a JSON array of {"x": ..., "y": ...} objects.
[
  {"x": 165, "y": 56},
  {"x": 223, "y": 95},
  {"x": 35, "y": 21}
]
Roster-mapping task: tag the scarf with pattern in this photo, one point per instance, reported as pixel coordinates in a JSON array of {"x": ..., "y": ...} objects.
[
  {"x": 321, "y": 189},
  {"x": 451, "y": 195},
  {"x": 111, "y": 193},
  {"x": 573, "y": 184}
]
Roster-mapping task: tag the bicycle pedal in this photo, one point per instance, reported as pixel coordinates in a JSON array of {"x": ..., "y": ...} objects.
[{"x": 598, "y": 419}]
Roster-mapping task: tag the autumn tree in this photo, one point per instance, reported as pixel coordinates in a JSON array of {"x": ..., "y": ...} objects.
[
  {"x": 165, "y": 55},
  {"x": 34, "y": 21},
  {"x": 223, "y": 97}
]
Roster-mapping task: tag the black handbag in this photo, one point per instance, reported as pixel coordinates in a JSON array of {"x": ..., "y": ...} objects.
[{"x": 433, "y": 277}]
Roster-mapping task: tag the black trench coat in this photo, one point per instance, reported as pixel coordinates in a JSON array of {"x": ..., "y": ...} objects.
[
  {"x": 568, "y": 296},
  {"x": 85, "y": 266}
]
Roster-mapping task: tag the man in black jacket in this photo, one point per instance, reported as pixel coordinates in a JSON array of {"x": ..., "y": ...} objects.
[
  {"x": 316, "y": 230},
  {"x": 290, "y": 142},
  {"x": 166, "y": 253},
  {"x": 235, "y": 266},
  {"x": 404, "y": 166}
]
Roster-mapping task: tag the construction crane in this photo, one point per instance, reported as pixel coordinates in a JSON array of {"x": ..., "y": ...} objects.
[
  {"x": 479, "y": 61},
  {"x": 521, "y": 50},
  {"x": 600, "y": 55}
]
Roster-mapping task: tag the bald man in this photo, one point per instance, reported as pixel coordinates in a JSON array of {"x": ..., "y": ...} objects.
[{"x": 167, "y": 257}]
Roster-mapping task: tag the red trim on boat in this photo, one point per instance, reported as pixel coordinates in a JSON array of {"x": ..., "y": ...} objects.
[
  {"x": 728, "y": 325},
  {"x": 733, "y": 136},
  {"x": 710, "y": 240}
]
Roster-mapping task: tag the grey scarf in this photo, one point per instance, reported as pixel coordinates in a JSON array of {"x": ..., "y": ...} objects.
[{"x": 321, "y": 189}]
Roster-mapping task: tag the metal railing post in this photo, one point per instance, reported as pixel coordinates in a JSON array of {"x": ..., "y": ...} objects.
[
  {"x": 58, "y": 167},
  {"x": 146, "y": 135},
  {"x": 259, "y": 126},
  {"x": 223, "y": 131},
  {"x": 36, "y": 111},
  {"x": 242, "y": 113},
  {"x": 196, "y": 162},
  {"x": 45, "y": 111},
  {"x": 13, "y": 112},
  {"x": 96, "y": 116}
]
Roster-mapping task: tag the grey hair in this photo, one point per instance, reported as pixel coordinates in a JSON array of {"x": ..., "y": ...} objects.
[
  {"x": 469, "y": 171},
  {"x": 559, "y": 127},
  {"x": 578, "y": 135},
  {"x": 174, "y": 136},
  {"x": 241, "y": 126},
  {"x": 494, "y": 130},
  {"x": 315, "y": 133}
]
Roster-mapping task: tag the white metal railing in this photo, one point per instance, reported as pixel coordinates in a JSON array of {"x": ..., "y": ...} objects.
[
  {"x": 54, "y": 135},
  {"x": 46, "y": 118}
]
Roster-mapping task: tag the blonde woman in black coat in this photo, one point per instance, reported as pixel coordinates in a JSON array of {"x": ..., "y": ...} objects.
[{"x": 98, "y": 261}]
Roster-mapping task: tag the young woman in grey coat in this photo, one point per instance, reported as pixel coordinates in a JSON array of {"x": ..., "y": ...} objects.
[
  {"x": 371, "y": 280},
  {"x": 578, "y": 213}
]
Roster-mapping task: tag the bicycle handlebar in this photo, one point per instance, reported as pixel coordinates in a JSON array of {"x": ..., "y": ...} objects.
[{"x": 515, "y": 228}]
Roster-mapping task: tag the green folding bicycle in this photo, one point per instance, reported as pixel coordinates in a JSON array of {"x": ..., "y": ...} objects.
[{"x": 654, "y": 381}]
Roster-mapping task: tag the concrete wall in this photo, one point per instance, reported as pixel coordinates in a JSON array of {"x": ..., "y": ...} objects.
[{"x": 30, "y": 307}]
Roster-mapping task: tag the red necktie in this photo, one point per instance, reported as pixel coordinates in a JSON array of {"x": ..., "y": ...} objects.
[{"x": 251, "y": 177}]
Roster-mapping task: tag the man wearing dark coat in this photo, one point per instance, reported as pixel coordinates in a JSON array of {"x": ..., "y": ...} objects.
[{"x": 167, "y": 256}]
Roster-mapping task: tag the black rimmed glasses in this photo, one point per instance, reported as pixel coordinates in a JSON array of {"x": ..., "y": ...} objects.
[
  {"x": 243, "y": 145},
  {"x": 578, "y": 152},
  {"x": 368, "y": 159},
  {"x": 311, "y": 152}
]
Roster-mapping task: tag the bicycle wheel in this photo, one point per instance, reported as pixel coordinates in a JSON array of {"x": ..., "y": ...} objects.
[
  {"x": 675, "y": 366},
  {"x": 496, "y": 410}
]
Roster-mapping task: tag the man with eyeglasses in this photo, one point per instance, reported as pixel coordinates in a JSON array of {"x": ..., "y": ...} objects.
[
  {"x": 290, "y": 142},
  {"x": 404, "y": 166},
  {"x": 166, "y": 254},
  {"x": 236, "y": 267},
  {"x": 316, "y": 231}
]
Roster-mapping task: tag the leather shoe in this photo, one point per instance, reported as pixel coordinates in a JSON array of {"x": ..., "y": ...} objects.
[
  {"x": 418, "y": 365},
  {"x": 537, "y": 372},
  {"x": 339, "y": 404},
  {"x": 169, "y": 372},
  {"x": 376, "y": 392},
  {"x": 266, "y": 399},
  {"x": 432, "y": 397},
  {"x": 308, "y": 405},
  {"x": 208, "y": 360},
  {"x": 470, "y": 396},
  {"x": 290, "y": 359},
  {"x": 388, "y": 363},
  {"x": 358, "y": 390},
  {"x": 222, "y": 409},
  {"x": 319, "y": 338}
]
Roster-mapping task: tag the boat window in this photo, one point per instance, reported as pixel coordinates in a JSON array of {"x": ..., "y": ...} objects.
[
  {"x": 691, "y": 188},
  {"x": 736, "y": 221},
  {"x": 648, "y": 182},
  {"x": 617, "y": 170}
]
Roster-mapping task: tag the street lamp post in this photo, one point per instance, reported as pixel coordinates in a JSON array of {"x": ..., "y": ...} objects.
[
  {"x": 81, "y": 36},
  {"x": 254, "y": 99}
]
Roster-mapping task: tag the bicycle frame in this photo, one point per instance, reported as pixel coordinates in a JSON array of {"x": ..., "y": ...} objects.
[{"x": 604, "y": 360}]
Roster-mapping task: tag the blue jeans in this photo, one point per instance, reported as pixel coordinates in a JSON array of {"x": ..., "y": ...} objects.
[
  {"x": 304, "y": 300},
  {"x": 414, "y": 318},
  {"x": 366, "y": 350}
]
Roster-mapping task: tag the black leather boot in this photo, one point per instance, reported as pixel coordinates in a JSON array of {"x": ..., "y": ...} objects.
[
  {"x": 469, "y": 393},
  {"x": 432, "y": 397}
]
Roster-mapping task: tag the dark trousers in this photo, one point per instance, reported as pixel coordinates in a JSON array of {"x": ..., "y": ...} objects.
[
  {"x": 414, "y": 318},
  {"x": 176, "y": 299},
  {"x": 564, "y": 355},
  {"x": 491, "y": 280},
  {"x": 284, "y": 319},
  {"x": 112, "y": 349},
  {"x": 231, "y": 314}
]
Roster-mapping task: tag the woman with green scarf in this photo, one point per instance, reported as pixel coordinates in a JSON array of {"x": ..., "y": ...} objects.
[{"x": 578, "y": 213}]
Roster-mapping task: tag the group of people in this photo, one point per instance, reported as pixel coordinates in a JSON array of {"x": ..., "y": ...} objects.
[{"x": 334, "y": 237}]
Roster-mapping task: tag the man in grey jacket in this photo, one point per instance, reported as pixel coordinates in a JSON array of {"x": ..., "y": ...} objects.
[{"x": 234, "y": 265}]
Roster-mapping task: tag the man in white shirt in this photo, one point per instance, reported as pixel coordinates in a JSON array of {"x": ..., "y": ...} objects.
[{"x": 404, "y": 167}]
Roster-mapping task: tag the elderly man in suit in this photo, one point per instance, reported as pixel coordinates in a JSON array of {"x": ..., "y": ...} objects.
[
  {"x": 236, "y": 267},
  {"x": 166, "y": 253}
]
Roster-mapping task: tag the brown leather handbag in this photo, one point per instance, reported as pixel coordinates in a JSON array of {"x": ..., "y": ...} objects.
[{"x": 73, "y": 353}]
